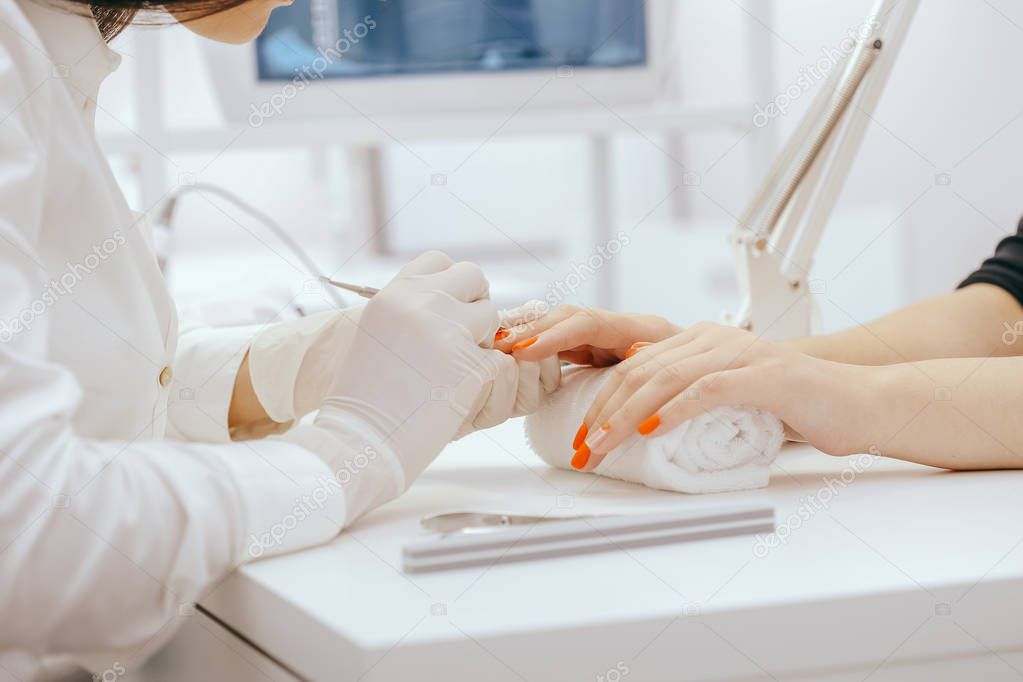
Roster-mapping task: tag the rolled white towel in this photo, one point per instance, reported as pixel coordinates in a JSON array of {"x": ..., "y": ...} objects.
[{"x": 725, "y": 449}]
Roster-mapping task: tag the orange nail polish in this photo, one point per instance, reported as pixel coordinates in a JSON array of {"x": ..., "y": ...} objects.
[
  {"x": 580, "y": 436},
  {"x": 582, "y": 456},
  {"x": 597, "y": 440},
  {"x": 635, "y": 348},
  {"x": 649, "y": 425},
  {"x": 501, "y": 334},
  {"x": 525, "y": 344}
]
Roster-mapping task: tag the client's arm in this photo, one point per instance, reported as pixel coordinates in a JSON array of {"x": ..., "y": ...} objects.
[
  {"x": 980, "y": 320},
  {"x": 958, "y": 413},
  {"x": 932, "y": 383},
  {"x": 983, "y": 318},
  {"x": 977, "y": 321}
]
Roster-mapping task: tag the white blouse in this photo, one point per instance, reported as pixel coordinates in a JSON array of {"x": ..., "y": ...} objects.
[{"x": 121, "y": 497}]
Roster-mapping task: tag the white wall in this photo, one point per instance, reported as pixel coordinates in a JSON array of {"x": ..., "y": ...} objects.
[{"x": 951, "y": 108}]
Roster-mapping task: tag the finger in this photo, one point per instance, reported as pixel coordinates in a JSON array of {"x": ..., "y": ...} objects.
[
  {"x": 426, "y": 264},
  {"x": 464, "y": 281},
  {"x": 537, "y": 380},
  {"x": 610, "y": 386},
  {"x": 636, "y": 347},
  {"x": 565, "y": 335},
  {"x": 592, "y": 430},
  {"x": 634, "y": 403},
  {"x": 732, "y": 387},
  {"x": 524, "y": 331},
  {"x": 550, "y": 374},
  {"x": 480, "y": 318},
  {"x": 502, "y": 401},
  {"x": 636, "y": 368},
  {"x": 525, "y": 314},
  {"x": 581, "y": 356},
  {"x": 710, "y": 391},
  {"x": 530, "y": 311},
  {"x": 468, "y": 424},
  {"x": 693, "y": 340},
  {"x": 673, "y": 370},
  {"x": 589, "y": 356},
  {"x": 530, "y": 394},
  {"x": 564, "y": 329},
  {"x": 611, "y": 332}
]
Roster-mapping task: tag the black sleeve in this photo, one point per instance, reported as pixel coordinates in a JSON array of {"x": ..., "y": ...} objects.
[{"x": 1005, "y": 268}]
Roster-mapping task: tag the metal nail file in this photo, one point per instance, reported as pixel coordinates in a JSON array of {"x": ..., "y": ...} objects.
[
  {"x": 365, "y": 292},
  {"x": 505, "y": 543}
]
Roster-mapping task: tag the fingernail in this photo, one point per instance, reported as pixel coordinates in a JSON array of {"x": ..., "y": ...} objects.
[
  {"x": 525, "y": 344},
  {"x": 581, "y": 457},
  {"x": 580, "y": 436},
  {"x": 501, "y": 334},
  {"x": 636, "y": 347},
  {"x": 649, "y": 425},
  {"x": 599, "y": 437}
]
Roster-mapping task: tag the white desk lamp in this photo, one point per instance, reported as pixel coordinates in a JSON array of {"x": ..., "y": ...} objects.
[{"x": 779, "y": 231}]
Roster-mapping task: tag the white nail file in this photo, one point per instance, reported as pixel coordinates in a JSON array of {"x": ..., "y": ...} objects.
[{"x": 558, "y": 538}]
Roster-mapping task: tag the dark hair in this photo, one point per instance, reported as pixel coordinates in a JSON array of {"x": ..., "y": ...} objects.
[{"x": 113, "y": 16}]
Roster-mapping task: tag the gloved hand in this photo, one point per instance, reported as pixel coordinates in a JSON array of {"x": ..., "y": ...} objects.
[
  {"x": 414, "y": 371},
  {"x": 547, "y": 372},
  {"x": 292, "y": 364},
  {"x": 519, "y": 387}
]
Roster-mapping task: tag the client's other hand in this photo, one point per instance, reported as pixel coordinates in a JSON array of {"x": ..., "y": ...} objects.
[
  {"x": 709, "y": 366},
  {"x": 583, "y": 336}
]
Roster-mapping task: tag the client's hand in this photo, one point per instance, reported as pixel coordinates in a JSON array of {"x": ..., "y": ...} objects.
[
  {"x": 584, "y": 336},
  {"x": 711, "y": 365}
]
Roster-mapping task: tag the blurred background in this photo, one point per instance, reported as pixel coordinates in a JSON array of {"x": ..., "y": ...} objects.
[{"x": 584, "y": 151}]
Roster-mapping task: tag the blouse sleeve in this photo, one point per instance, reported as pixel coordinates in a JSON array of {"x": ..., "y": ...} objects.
[
  {"x": 1005, "y": 268},
  {"x": 207, "y": 362}
]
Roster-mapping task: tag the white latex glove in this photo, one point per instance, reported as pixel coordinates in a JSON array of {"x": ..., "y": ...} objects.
[
  {"x": 519, "y": 387},
  {"x": 413, "y": 373},
  {"x": 547, "y": 372},
  {"x": 292, "y": 364}
]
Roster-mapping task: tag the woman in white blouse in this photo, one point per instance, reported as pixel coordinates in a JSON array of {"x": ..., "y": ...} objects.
[{"x": 123, "y": 494}]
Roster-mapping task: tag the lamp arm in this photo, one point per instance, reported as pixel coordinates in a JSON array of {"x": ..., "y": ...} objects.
[{"x": 778, "y": 235}]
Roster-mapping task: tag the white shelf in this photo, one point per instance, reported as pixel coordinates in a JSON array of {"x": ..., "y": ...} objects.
[{"x": 385, "y": 130}]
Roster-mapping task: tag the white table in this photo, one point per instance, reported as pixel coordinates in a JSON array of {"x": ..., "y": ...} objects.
[{"x": 906, "y": 573}]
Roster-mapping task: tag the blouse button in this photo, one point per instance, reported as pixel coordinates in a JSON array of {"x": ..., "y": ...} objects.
[{"x": 165, "y": 376}]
